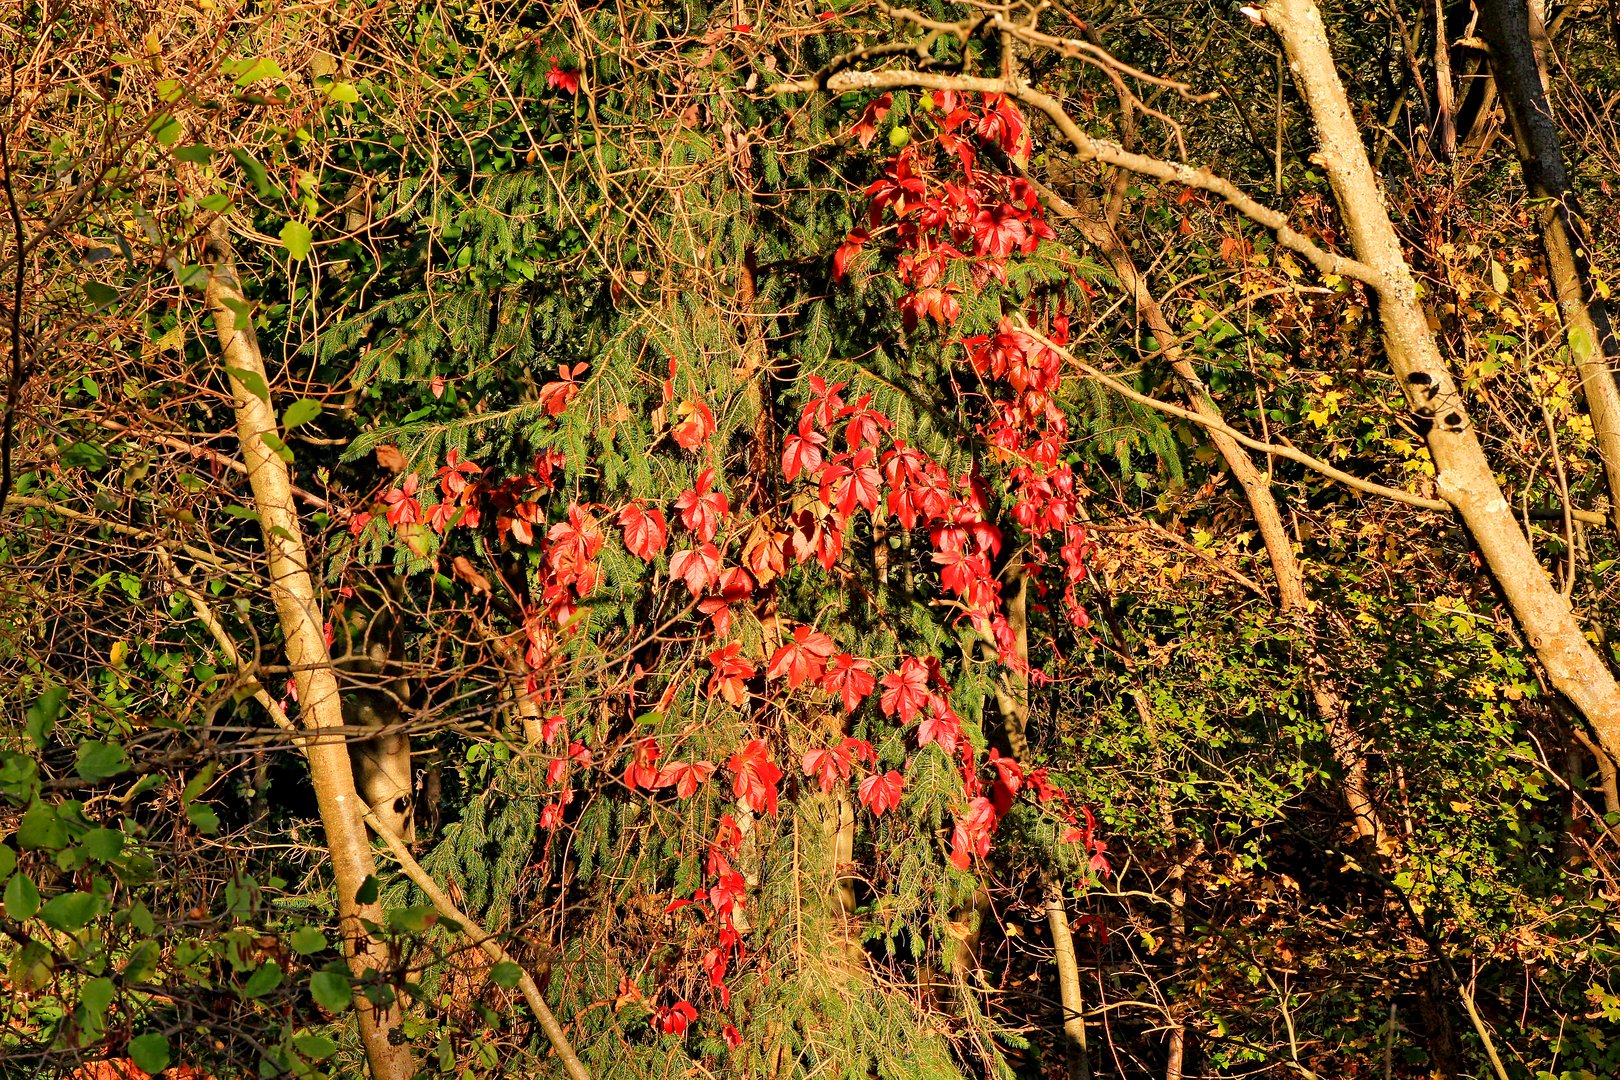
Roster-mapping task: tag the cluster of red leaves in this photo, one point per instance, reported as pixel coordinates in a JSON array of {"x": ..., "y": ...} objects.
[{"x": 941, "y": 209}]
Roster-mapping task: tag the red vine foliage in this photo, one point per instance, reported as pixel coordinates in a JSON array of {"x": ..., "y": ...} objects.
[{"x": 938, "y": 203}]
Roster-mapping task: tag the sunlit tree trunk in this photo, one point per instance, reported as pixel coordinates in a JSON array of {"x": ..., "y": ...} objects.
[
  {"x": 341, "y": 808},
  {"x": 1464, "y": 476}
]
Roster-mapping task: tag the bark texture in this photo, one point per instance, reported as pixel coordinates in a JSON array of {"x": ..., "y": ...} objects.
[
  {"x": 342, "y": 810},
  {"x": 1463, "y": 474},
  {"x": 1521, "y": 84}
]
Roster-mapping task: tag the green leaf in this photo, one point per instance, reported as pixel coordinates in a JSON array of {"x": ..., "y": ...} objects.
[
  {"x": 307, "y": 940},
  {"x": 300, "y": 412},
  {"x": 21, "y": 897},
  {"x": 255, "y": 172},
  {"x": 100, "y": 760},
  {"x": 505, "y": 975},
  {"x": 103, "y": 845},
  {"x": 367, "y": 893},
  {"x": 195, "y": 154},
  {"x": 8, "y": 862},
  {"x": 251, "y": 71},
  {"x": 42, "y": 714},
  {"x": 296, "y": 238},
  {"x": 199, "y": 783},
  {"x": 252, "y": 382},
  {"x": 343, "y": 92},
  {"x": 242, "y": 513},
  {"x": 331, "y": 990},
  {"x": 142, "y": 963},
  {"x": 277, "y": 446},
  {"x": 217, "y": 203},
  {"x": 166, "y": 129},
  {"x": 69, "y": 912},
  {"x": 315, "y": 1047},
  {"x": 99, "y": 294},
  {"x": 19, "y": 777},
  {"x": 97, "y": 995},
  {"x": 202, "y": 816},
  {"x": 41, "y": 827},
  {"x": 241, "y": 310},
  {"x": 411, "y": 920},
  {"x": 150, "y": 1052},
  {"x": 261, "y": 982},
  {"x": 84, "y": 455},
  {"x": 192, "y": 276}
]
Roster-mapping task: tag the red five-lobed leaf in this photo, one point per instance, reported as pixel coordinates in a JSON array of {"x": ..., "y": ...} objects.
[
  {"x": 803, "y": 659},
  {"x": 881, "y": 793}
]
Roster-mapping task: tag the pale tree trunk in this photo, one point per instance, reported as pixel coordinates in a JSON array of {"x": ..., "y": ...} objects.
[
  {"x": 342, "y": 810},
  {"x": 1521, "y": 84},
  {"x": 1463, "y": 474}
]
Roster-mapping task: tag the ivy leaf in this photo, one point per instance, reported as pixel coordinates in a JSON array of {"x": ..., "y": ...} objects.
[
  {"x": 203, "y": 818},
  {"x": 100, "y": 760},
  {"x": 297, "y": 239},
  {"x": 343, "y": 92},
  {"x": 97, "y": 995},
  {"x": 150, "y": 1052},
  {"x": 99, "y": 294},
  {"x": 250, "y": 72},
  {"x": 367, "y": 893},
  {"x": 84, "y": 455},
  {"x": 331, "y": 990},
  {"x": 103, "y": 845},
  {"x": 252, "y": 382}
]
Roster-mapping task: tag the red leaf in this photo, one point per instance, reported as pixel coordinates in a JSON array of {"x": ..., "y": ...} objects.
[
  {"x": 852, "y": 244},
  {"x": 676, "y": 1018},
  {"x": 695, "y": 426},
  {"x": 702, "y": 508},
  {"x": 844, "y": 487},
  {"x": 403, "y": 509},
  {"x": 865, "y": 128},
  {"x": 905, "y": 690},
  {"x": 558, "y": 79},
  {"x": 849, "y": 678},
  {"x": 645, "y": 531},
  {"x": 803, "y": 659},
  {"x": 828, "y": 766},
  {"x": 755, "y": 777},
  {"x": 730, "y": 672},
  {"x": 698, "y": 567},
  {"x": 802, "y": 452},
  {"x": 941, "y": 726},
  {"x": 881, "y": 793},
  {"x": 685, "y": 776}
]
